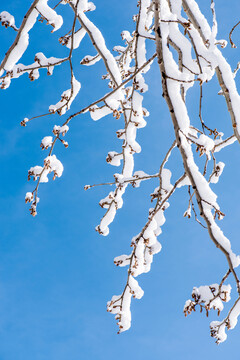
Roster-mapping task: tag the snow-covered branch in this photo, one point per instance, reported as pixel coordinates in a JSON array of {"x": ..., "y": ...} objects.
[{"x": 189, "y": 55}]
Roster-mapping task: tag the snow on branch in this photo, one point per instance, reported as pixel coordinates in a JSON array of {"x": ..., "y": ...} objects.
[{"x": 189, "y": 55}]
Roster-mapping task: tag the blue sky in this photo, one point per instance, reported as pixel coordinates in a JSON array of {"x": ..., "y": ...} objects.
[{"x": 56, "y": 272}]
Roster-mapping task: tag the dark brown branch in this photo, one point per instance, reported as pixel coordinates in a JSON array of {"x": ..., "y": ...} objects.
[{"x": 230, "y": 35}]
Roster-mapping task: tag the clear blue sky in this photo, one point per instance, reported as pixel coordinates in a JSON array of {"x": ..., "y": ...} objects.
[{"x": 56, "y": 272}]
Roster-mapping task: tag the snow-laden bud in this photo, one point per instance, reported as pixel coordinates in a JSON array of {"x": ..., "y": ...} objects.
[
  {"x": 187, "y": 213},
  {"x": 90, "y": 60},
  {"x": 217, "y": 173},
  {"x": 119, "y": 49},
  {"x": 60, "y": 130},
  {"x": 218, "y": 331},
  {"x": 64, "y": 40},
  {"x": 122, "y": 260},
  {"x": 7, "y": 19},
  {"x": 91, "y": 6},
  {"x": 24, "y": 122},
  {"x": 126, "y": 36},
  {"x": 65, "y": 143},
  {"x": 223, "y": 43},
  {"x": 54, "y": 165},
  {"x": 121, "y": 134},
  {"x": 205, "y": 145},
  {"x": 120, "y": 305},
  {"x": 35, "y": 171},
  {"x": 33, "y": 210},
  {"x": 33, "y": 75},
  {"x": 138, "y": 176},
  {"x": 135, "y": 289},
  {"x": 114, "y": 158},
  {"x": 28, "y": 197},
  {"x": 5, "y": 82},
  {"x": 46, "y": 142},
  {"x": 106, "y": 202},
  {"x": 50, "y": 15},
  {"x": 208, "y": 297}
]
